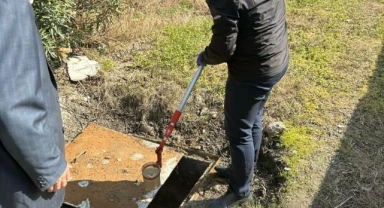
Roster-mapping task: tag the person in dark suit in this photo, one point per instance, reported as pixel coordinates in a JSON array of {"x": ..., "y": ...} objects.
[
  {"x": 33, "y": 168},
  {"x": 251, "y": 37}
]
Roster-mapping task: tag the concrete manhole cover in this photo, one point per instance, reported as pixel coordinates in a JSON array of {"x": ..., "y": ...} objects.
[{"x": 107, "y": 172}]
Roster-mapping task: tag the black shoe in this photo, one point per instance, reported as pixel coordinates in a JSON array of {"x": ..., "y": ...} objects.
[
  {"x": 228, "y": 200},
  {"x": 223, "y": 171}
]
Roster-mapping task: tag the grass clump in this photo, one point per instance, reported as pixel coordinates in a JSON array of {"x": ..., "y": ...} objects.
[
  {"x": 176, "y": 46},
  {"x": 299, "y": 143},
  {"x": 173, "y": 56},
  {"x": 106, "y": 61}
]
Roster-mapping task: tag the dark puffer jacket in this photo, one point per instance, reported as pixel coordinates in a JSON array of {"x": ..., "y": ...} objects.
[{"x": 250, "y": 36}]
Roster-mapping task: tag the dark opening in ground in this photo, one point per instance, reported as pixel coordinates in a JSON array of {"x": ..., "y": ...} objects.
[
  {"x": 66, "y": 205},
  {"x": 180, "y": 183}
]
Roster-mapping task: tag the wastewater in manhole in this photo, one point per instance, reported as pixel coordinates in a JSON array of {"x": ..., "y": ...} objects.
[{"x": 180, "y": 183}]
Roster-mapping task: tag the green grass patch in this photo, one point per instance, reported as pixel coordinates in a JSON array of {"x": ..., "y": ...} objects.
[
  {"x": 174, "y": 55},
  {"x": 106, "y": 62},
  {"x": 299, "y": 144},
  {"x": 178, "y": 9},
  {"x": 176, "y": 46},
  {"x": 334, "y": 46}
]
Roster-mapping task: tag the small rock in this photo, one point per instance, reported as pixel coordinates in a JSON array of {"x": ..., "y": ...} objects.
[
  {"x": 119, "y": 159},
  {"x": 287, "y": 169},
  {"x": 90, "y": 165},
  {"x": 217, "y": 187},
  {"x": 341, "y": 126},
  {"x": 176, "y": 138},
  {"x": 133, "y": 199},
  {"x": 105, "y": 162},
  {"x": 137, "y": 183},
  {"x": 213, "y": 114},
  {"x": 137, "y": 156},
  {"x": 126, "y": 171},
  {"x": 145, "y": 128},
  {"x": 198, "y": 147},
  {"x": 83, "y": 184},
  {"x": 111, "y": 200},
  {"x": 203, "y": 111},
  {"x": 136, "y": 46},
  {"x": 104, "y": 151},
  {"x": 199, "y": 101},
  {"x": 203, "y": 131},
  {"x": 107, "y": 157},
  {"x": 274, "y": 129}
]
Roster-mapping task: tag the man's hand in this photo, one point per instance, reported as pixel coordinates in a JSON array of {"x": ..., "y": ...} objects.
[
  {"x": 199, "y": 59},
  {"x": 62, "y": 182}
]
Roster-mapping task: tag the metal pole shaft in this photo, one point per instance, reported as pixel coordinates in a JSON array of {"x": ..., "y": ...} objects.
[{"x": 190, "y": 88}]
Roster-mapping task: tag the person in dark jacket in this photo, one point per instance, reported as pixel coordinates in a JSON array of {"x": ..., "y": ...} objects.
[
  {"x": 251, "y": 37},
  {"x": 33, "y": 168}
]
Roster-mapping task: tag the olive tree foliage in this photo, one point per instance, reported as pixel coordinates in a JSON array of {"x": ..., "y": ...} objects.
[{"x": 65, "y": 24}]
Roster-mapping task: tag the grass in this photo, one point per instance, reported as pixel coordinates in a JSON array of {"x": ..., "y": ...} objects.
[
  {"x": 334, "y": 48},
  {"x": 299, "y": 142},
  {"x": 106, "y": 62},
  {"x": 174, "y": 54},
  {"x": 175, "y": 46}
]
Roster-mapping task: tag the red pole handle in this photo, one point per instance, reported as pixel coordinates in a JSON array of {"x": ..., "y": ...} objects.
[
  {"x": 175, "y": 118},
  {"x": 159, "y": 152},
  {"x": 177, "y": 114}
]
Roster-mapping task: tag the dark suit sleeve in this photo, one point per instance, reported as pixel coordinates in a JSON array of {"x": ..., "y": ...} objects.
[
  {"x": 24, "y": 128},
  {"x": 223, "y": 42}
]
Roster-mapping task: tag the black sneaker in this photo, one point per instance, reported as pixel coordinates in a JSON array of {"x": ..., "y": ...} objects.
[
  {"x": 228, "y": 200},
  {"x": 223, "y": 171}
]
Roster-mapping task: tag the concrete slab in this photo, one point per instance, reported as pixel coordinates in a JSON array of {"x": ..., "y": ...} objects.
[{"x": 107, "y": 168}]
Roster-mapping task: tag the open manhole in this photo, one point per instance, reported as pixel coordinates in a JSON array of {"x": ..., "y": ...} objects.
[
  {"x": 107, "y": 171},
  {"x": 180, "y": 183}
]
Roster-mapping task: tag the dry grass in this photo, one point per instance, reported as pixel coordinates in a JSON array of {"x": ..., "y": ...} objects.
[
  {"x": 341, "y": 41},
  {"x": 140, "y": 19}
]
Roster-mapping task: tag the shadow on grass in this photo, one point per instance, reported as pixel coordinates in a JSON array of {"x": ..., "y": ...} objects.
[{"x": 355, "y": 177}]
